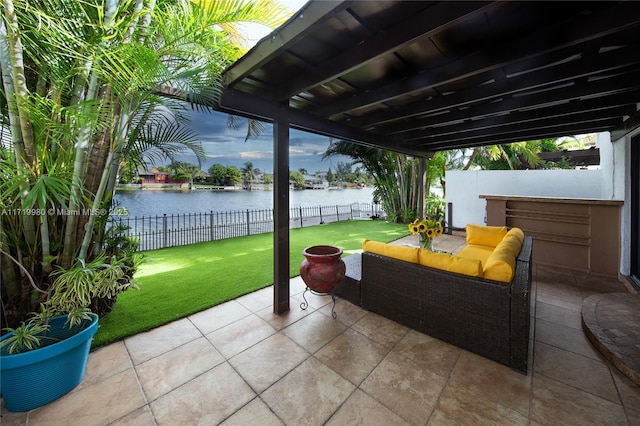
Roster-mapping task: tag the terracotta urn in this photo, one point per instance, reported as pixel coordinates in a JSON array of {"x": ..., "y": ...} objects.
[{"x": 323, "y": 269}]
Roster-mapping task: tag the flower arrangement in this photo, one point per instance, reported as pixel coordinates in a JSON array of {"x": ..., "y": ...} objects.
[{"x": 427, "y": 229}]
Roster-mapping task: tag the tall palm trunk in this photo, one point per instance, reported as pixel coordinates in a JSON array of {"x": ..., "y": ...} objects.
[
  {"x": 77, "y": 185},
  {"x": 21, "y": 130},
  {"x": 83, "y": 144}
]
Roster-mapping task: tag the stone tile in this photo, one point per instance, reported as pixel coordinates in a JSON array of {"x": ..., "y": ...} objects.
[
  {"x": 559, "y": 315},
  {"x": 347, "y": 312},
  {"x": 9, "y": 418},
  {"x": 314, "y": 301},
  {"x": 240, "y": 335},
  {"x": 629, "y": 392},
  {"x": 555, "y": 403},
  {"x": 105, "y": 362},
  {"x": 141, "y": 417},
  {"x": 219, "y": 316},
  {"x": 258, "y": 300},
  {"x": 461, "y": 406},
  {"x": 102, "y": 403},
  {"x": 352, "y": 355},
  {"x": 435, "y": 354},
  {"x": 166, "y": 372},
  {"x": 566, "y": 338},
  {"x": 206, "y": 400},
  {"x": 296, "y": 285},
  {"x": 308, "y": 395},
  {"x": 408, "y": 389},
  {"x": 574, "y": 370},
  {"x": 633, "y": 417},
  {"x": 145, "y": 346},
  {"x": 255, "y": 413},
  {"x": 612, "y": 322},
  {"x": 495, "y": 382},
  {"x": 361, "y": 409},
  {"x": 381, "y": 329},
  {"x": 265, "y": 363},
  {"x": 281, "y": 321},
  {"x": 591, "y": 284},
  {"x": 560, "y": 295},
  {"x": 545, "y": 274},
  {"x": 314, "y": 331}
]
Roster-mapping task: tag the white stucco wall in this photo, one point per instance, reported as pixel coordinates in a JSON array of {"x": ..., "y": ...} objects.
[
  {"x": 609, "y": 182},
  {"x": 465, "y": 187},
  {"x": 622, "y": 176}
]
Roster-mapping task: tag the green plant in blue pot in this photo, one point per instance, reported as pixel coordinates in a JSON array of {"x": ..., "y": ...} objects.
[{"x": 45, "y": 357}]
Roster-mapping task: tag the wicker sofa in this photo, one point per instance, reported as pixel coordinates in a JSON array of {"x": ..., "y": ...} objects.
[{"x": 483, "y": 316}]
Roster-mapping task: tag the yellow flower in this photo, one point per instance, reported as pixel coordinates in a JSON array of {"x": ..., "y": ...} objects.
[{"x": 426, "y": 228}]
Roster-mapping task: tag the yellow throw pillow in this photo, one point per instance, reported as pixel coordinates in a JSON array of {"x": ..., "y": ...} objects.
[
  {"x": 485, "y": 235},
  {"x": 500, "y": 266},
  {"x": 407, "y": 254},
  {"x": 517, "y": 233},
  {"x": 451, "y": 263}
]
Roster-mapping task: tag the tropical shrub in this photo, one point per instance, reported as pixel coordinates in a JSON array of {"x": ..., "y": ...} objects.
[{"x": 89, "y": 85}]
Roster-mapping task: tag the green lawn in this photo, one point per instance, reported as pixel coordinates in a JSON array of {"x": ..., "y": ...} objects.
[{"x": 179, "y": 281}]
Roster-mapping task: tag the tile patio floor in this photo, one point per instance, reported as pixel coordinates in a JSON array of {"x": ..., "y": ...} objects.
[{"x": 239, "y": 364}]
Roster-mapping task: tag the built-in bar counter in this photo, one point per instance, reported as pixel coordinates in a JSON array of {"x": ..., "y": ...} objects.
[{"x": 574, "y": 233}]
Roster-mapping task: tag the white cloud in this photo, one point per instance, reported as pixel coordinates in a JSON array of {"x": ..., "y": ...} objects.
[{"x": 256, "y": 155}]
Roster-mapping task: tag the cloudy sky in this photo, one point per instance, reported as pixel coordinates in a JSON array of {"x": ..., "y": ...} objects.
[{"x": 227, "y": 146}]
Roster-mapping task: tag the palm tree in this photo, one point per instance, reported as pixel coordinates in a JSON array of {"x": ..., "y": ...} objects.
[
  {"x": 90, "y": 85},
  {"x": 249, "y": 173},
  {"x": 396, "y": 177}
]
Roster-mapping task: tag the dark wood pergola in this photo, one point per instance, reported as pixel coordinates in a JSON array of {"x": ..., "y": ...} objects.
[{"x": 422, "y": 76}]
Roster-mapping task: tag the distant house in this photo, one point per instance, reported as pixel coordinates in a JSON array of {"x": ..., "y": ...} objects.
[
  {"x": 145, "y": 175},
  {"x": 161, "y": 177},
  {"x": 153, "y": 176},
  {"x": 315, "y": 182}
]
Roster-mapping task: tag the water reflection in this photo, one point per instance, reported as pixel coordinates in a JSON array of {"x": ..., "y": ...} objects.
[{"x": 145, "y": 203}]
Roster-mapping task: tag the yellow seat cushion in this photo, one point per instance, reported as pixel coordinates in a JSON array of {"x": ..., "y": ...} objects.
[
  {"x": 480, "y": 253},
  {"x": 450, "y": 263},
  {"x": 485, "y": 235},
  {"x": 500, "y": 266},
  {"x": 407, "y": 254}
]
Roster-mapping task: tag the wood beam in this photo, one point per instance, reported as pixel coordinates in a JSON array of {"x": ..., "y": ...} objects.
[
  {"x": 566, "y": 72},
  {"x": 422, "y": 189},
  {"x": 281, "y": 243},
  {"x": 490, "y": 59},
  {"x": 246, "y": 105},
  {"x": 525, "y": 135},
  {"x": 307, "y": 19},
  {"x": 629, "y": 125},
  {"x": 430, "y": 21},
  {"x": 517, "y": 122}
]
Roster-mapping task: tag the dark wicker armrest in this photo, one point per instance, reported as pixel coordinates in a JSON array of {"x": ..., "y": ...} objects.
[
  {"x": 520, "y": 307},
  {"x": 349, "y": 289}
]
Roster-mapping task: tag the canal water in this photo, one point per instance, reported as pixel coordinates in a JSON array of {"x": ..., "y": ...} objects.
[{"x": 159, "y": 202}]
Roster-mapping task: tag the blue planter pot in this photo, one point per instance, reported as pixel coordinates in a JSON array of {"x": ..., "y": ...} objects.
[{"x": 35, "y": 378}]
